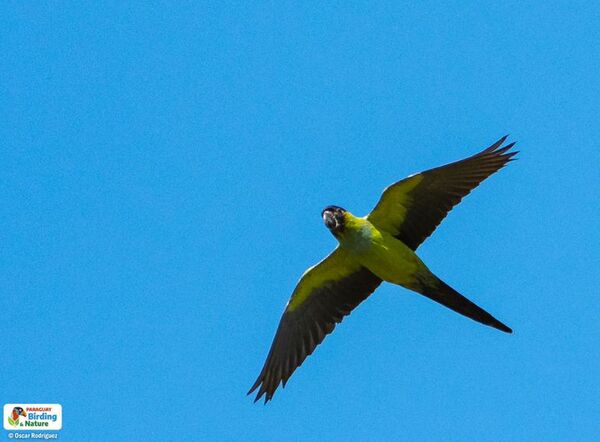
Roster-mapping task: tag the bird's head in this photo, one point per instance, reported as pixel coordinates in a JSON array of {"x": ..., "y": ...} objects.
[
  {"x": 333, "y": 217},
  {"x": 18, "y": 411}
]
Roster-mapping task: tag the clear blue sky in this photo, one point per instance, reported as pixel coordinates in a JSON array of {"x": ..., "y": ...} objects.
[{"x": 163, "y": 168}]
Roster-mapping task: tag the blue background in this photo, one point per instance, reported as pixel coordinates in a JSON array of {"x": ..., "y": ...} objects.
[{"x": 163, "y": 168}]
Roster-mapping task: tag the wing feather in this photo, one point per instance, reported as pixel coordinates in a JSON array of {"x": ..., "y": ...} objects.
[
  {"x": 325, "y": 294},
  {"x": 411, "y": 209}
]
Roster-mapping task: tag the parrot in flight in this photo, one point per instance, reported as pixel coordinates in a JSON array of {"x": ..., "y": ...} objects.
[{"x": 378, "y": 247}]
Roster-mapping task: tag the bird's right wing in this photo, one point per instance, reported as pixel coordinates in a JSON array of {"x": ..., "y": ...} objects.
[
  {"x": 411, "y": 209},
  {"x": 325, "y": 294}
]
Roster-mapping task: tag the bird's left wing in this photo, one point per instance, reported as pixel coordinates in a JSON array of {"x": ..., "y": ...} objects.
[
  {"x": 411, "y": 209},
  {"x": 324, "y": 295}
]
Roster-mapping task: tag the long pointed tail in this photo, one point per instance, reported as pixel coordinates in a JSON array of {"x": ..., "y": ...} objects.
[{"x": 437, "y": 290}]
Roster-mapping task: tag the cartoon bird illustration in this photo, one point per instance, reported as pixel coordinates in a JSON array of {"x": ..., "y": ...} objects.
[
  {"x": 378, "y": 247},
  {"x": 17, "y": 411}
]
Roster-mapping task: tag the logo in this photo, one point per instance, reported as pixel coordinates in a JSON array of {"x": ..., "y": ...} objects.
[
  {"x": 13, "y": 419},
  {"x": 32, "y": 417}
]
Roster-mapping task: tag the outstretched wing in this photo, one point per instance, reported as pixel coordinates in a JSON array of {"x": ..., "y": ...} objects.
[
  {"x": 325, "y": 294},
  {"x": 411, "y": 209}
]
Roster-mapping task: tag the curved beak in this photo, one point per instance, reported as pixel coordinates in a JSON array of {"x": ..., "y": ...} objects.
[{"x": 329, "y": 220}]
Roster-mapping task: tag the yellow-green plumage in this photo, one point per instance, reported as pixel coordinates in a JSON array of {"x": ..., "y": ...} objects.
[
  {"x": 378, "y": 247},
  {"x": 335, "y": 267},
  {"x": 385, "y": 256}
]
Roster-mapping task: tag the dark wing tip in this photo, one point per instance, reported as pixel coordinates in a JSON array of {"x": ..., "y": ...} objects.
[
  {"x": 498, "y": 153},
  {"x": 511, "y": 154},
  {"x": 300, "y": 331},
  {"x": 254, "y": 387},
  {"x": 504, "y": 148},
  {"x": 261, "y": 392},
  {"x": 260, "y": 382},
  {"x": 496, "y": 145}
]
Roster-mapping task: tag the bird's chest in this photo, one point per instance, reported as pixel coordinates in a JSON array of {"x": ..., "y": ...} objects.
[
  {"x": 383, "y": 255},
  {"x": 359, "y": 240}
]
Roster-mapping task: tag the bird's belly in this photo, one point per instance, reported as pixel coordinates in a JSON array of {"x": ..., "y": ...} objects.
[{"x": 391, "y": 261}]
